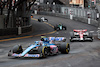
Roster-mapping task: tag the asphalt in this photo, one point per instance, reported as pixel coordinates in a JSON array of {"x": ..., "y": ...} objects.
[{"x": 82, "y": 54}]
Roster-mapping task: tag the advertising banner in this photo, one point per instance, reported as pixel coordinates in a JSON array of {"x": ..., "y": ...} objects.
[{"x": 76, "y": 2}]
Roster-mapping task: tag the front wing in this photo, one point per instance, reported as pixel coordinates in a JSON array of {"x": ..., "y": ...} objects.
[
  {"x": 26, "y": 55},
  {"x": 79, "y": 39}
]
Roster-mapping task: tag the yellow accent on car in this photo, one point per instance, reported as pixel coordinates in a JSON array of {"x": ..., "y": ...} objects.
[
  {"x": 67, "y": 47},
  {"x": 43, "y": 51}
]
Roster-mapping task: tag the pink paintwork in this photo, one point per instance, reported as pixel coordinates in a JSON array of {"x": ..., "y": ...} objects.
[
  {"x": 80, "y": 32},
  {"x": 54, "y": 49}
]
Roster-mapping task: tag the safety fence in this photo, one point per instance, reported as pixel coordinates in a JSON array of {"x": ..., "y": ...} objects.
[
  {"x": 75, "y": 11},
  {"x": 81, "y": 19},
  {"x": 84, "y": 15},
  {"x": 79, "y": 12}
]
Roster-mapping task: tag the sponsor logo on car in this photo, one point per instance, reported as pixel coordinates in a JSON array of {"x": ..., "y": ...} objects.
[
  {"x": 17, "y": 55},
  {"x": 56, "y": 38},
  {"x": 32, "y": 55}
]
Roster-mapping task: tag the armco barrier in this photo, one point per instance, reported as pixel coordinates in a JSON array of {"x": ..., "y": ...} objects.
[
  {"x": 81, "y": 19},
  {"x": 26, "y": 29},
  {"x": 85, "y": 20},
  {"x": 14, "y": 31}
]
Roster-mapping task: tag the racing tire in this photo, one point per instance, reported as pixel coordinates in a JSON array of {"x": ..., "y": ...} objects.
[
  {"x": 17, "y": 49},
  {"x": 57, "y": 28},
  {"x": 46, "y": 20},
  {"x": 54, "y": 28},
  {"x": 64, "y": 28},
  {"x": 91, "y": 39},
  {"x": 43, "y": 51},
  {"x": 39, "y": 20},
  {"x": 71, "y": 40},
  {"x": 72, "y": 35},
  {"x": 90, "y": 36},
  {"x": 64, "y": 48},
  {"x": 64, "y": 40}
]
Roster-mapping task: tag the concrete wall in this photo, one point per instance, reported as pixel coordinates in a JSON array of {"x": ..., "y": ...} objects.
[
  {"x": 2, "y": 19},
  {"x": 14, "y": 31}
]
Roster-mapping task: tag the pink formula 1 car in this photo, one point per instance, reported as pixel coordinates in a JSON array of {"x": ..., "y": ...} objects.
[{"x": 81, "y": 35}]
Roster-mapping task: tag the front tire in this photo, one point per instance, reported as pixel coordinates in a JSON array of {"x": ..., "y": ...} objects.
[
  {"x": 71, "y": 35},
  {"x": 90, "y": 36},
  {"x": 17, "y": 49},
  {"x": 43, "y": 51},
  {"x": 39, "y": 20},
  {"x": 57, "y": 29}
]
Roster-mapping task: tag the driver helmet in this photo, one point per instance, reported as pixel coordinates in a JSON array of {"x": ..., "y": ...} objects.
[
  {"x": 46, "y": 39},
  {"x": 60, "y": 24}
]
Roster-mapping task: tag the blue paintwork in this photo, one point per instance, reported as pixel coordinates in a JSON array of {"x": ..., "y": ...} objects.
[
  {"x": 44, "y": 43},
  {"x": 28, "y": 49},
  {"x": 57, "y": 38}
]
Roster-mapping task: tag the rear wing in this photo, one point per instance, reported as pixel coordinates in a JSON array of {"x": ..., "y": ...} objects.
[
  {"x": 80, "y": 30},
  {"x": 57, "y": 38}
]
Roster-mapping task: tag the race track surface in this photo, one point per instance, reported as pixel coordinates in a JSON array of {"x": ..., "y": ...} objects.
[{"x": 82, "y": 54}]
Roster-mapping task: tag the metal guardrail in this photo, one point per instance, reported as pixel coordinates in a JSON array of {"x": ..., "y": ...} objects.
[
  {"x": 78, "y": 12},
  {"x": 98, "y": 10},
  {"x": 82, "y": 19}
]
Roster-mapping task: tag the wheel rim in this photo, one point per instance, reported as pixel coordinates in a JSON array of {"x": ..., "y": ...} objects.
[
  {"x": 67, "y": 48},
  {"x": 44, "y": 52},
  {"x": 57, "y": 28},
  {"x": 64, "y": 28}
]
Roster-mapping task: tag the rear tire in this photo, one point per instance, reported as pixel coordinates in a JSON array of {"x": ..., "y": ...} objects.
[
  {"x": 71, "y": 35},
  {"x": 64, "y": 48},
  {"x": 46, "y": 20},
  {"x": 71, "y": 39},
  {"x": 91, "y": 40},
  {"x": 90, "y": 36}
]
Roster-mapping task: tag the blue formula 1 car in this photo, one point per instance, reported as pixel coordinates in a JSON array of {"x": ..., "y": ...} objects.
[{"x": 45, "y": 47}]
